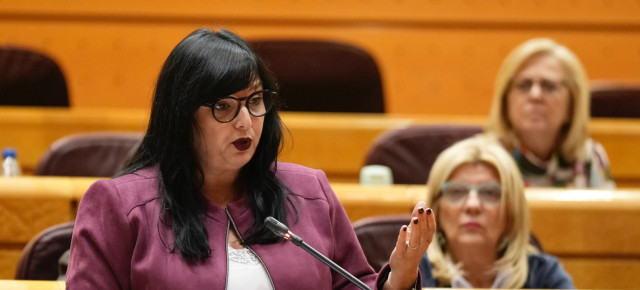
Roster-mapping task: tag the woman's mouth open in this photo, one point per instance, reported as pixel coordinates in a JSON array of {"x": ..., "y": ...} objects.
[{"x": 242, "y": 144}]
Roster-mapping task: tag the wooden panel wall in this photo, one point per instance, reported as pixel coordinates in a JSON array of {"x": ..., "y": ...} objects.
[{"x": 436, "y": 56}]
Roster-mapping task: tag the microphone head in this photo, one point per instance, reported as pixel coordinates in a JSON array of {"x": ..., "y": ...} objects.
[{"x": 276, "y": 227}]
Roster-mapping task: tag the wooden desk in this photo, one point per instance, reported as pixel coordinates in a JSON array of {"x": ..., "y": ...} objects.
[
  {"x": 31, "y": 285},
  {"x": 336, "y": 143},
  {"x": 593, "y": 232},
  {"x": 28, "y": 205}
]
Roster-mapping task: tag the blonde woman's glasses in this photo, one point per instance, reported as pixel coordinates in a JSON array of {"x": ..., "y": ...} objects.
[
  {"x": 547, "y": 87},
  {"x": 457, "y": 192}
]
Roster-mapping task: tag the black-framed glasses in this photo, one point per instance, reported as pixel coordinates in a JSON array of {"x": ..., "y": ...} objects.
[
  {"x": 457, "y": 192},
  {"x": 225, "y": 109},
  {"x": 548, "y": 87}
]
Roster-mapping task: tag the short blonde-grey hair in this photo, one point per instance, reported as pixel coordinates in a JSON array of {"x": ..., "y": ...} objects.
[
  {"x": 515, "y": 240},
  {"x": 576, "y": 133}
]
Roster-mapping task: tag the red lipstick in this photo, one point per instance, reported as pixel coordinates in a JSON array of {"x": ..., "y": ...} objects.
[{"x": 242, "y": 144}]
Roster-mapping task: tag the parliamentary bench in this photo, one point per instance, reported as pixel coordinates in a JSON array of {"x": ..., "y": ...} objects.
[
  {"x": 334, "y": 142},
  {"x": 593, "y": 232}
]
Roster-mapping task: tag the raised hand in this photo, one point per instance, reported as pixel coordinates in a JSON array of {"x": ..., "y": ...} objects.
[{"x": 413, "y": 241}]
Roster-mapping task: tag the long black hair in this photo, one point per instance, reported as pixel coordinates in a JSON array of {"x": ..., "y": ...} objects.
[{"x": 205, "y": 66}]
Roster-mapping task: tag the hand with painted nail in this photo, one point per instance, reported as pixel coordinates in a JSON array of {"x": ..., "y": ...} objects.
[{"x": 413, "y": 241}]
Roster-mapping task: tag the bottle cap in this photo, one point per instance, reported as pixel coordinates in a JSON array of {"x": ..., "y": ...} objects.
[{"x": 8, "y": 152}]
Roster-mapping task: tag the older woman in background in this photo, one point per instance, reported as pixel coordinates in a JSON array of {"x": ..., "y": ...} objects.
[
  {"x": 482, "y": 240},
  {"x": 540, "y": 114}
]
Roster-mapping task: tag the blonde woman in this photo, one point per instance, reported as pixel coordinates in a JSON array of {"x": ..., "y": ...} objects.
[
  {"x": 482, "y": 239},
  {"x": 540, "y": 113}
]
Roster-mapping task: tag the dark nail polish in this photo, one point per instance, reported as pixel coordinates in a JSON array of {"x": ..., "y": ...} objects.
[
  {"x": 415, "y": 221},
  {"x": 421, "y": 210},
  {"x": 429, "y": 211},
  {"x": 404, "y": 228}
]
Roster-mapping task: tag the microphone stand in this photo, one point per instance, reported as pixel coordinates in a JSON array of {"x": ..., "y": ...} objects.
[{"x": 282, "y": 230}]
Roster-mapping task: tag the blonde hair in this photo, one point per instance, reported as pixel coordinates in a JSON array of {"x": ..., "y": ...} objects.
[
  {"x": 515, "y": 240},
  {"x": 573, "y": 138}
]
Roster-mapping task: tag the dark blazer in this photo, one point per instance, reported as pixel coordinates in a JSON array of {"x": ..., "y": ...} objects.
[{"x": 545, "y": 272}]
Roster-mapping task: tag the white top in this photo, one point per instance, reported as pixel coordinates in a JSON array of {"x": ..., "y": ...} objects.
[
  {"x": 501, "y": 279},
  {"x": 459, "y": 281},
  {"x": 246, "y": 271}
]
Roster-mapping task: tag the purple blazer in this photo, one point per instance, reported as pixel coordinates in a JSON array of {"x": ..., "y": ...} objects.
[{"x": 119, "y": 243}]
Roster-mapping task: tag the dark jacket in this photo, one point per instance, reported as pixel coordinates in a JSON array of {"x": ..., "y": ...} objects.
[{"x": 545, "y": 272}]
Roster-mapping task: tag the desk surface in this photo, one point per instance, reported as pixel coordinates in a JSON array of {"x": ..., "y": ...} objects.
[{"x": 31, "y": 285}]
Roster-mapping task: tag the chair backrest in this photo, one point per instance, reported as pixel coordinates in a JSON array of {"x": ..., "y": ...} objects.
[
  {"x": 88, "y": 154},
  {"x": 30, "y": 78},
  {"x": 615, "y": 100},
  {"x": 410, "y": 152},
  {"x": 39, "y": 260},
  {"x": 378, "y": 235},
  {"x": 323, "y": 76}
]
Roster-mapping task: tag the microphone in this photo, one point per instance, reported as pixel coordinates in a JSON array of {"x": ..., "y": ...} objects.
[{"x": 283, "y": 231}]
